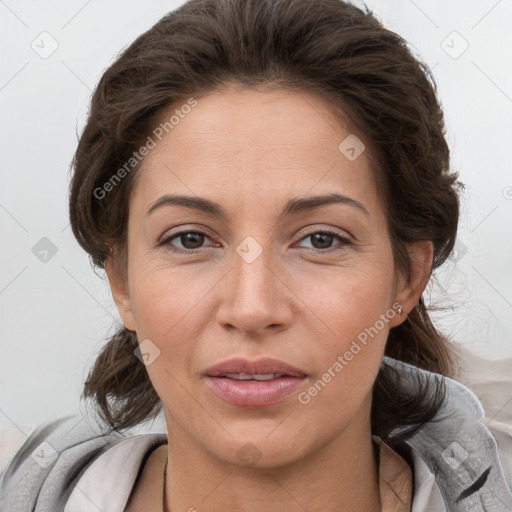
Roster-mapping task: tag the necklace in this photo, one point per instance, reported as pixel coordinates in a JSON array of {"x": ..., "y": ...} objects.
[{"x": 165, "y": 508}]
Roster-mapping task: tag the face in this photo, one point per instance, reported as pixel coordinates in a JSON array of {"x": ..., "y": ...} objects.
[{"x": 261, "y": 270}]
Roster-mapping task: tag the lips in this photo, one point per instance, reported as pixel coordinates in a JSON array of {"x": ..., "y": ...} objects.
[
  {"x": 254, "y": 383},
  {"x": 264, "y": 366}
]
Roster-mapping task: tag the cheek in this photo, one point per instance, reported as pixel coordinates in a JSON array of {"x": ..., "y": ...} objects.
[
  {"x": 172, "y": 307},
  {"x": 347, "y": 361},
  {"x": 168, "y": 310},
  {"x": 164, "y": 299},
  {"x": 353, "y": 315},
  {"x": 351, "y": 300}
]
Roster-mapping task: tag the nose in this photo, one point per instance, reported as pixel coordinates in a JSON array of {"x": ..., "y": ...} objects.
[{"x": 256, "y": 298}]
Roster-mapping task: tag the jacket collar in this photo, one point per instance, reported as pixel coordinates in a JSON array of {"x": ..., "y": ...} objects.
[{"x": 457, "y": 447}]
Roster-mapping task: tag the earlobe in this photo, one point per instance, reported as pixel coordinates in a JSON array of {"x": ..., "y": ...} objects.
[
  {"x": 410, "y": 289},
  {"x": 119, "y": 289}
]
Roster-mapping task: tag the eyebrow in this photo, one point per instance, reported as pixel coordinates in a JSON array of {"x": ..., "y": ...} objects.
[{"x": 293, "y": 206}]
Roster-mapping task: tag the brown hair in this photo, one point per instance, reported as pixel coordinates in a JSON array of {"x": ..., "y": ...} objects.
[{"x": 326, "y": 47}]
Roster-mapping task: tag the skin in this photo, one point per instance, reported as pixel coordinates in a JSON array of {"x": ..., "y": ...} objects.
[{"x": 299, "y": 301}]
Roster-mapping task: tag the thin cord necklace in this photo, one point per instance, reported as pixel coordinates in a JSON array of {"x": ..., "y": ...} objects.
[{"x": 165, "y": 508}]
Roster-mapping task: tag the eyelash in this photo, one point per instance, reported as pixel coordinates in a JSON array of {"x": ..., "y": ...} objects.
[{"x": 166, "y": 241}]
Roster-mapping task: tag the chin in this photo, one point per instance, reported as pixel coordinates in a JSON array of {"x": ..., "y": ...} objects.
[{"x": 261, "y": 451}]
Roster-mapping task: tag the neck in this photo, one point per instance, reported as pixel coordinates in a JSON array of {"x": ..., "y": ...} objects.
[{"x": 342, "y": 475}]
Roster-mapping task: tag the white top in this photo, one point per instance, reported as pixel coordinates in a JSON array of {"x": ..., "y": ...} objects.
[{"x": 107, "y": 483}]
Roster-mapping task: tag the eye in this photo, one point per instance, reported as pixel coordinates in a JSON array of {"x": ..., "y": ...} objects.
[
  {"x": 190, "y": 241},
  {"x": 321, "y": 241}
]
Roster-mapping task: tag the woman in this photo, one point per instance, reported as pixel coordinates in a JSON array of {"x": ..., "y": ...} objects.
[{"x": 267, "y": 187}]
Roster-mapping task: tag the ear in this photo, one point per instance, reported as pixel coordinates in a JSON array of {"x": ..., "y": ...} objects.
[
  {"x": 119, "y": 287},
  {"x": 411, "y": 287}
]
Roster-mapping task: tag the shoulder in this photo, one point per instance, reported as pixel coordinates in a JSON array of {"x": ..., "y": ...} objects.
[
  {"x": 467, "y": 447},
  {"x": 52, "y": 457},
  {"x": 491, "y": 382}
]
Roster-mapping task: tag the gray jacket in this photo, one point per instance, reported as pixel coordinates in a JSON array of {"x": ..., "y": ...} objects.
[{"x": 458, "y": 449}]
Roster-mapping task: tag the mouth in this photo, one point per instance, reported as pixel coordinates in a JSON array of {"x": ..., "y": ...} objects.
[
  {"x": 254, "y": 383},
  {"x": 256, "y": 376}
]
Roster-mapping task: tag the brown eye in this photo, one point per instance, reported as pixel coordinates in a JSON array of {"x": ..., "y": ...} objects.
[
  {"x": 185, "y": 241},
  {"x": 192, "y": 240},
  {"x": 323, "y": 240}
]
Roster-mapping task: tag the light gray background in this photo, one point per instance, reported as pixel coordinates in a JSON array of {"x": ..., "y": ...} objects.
[{"x": 55, "y": 315}]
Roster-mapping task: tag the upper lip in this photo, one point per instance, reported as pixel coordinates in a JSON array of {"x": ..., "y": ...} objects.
[{"x": 262, "y": 366}]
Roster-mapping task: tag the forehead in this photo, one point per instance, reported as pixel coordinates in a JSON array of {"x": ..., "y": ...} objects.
[{"x": 271, "y": 145}]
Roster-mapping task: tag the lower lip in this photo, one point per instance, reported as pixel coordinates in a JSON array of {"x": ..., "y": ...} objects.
[{"x": 253, "y": 393}]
